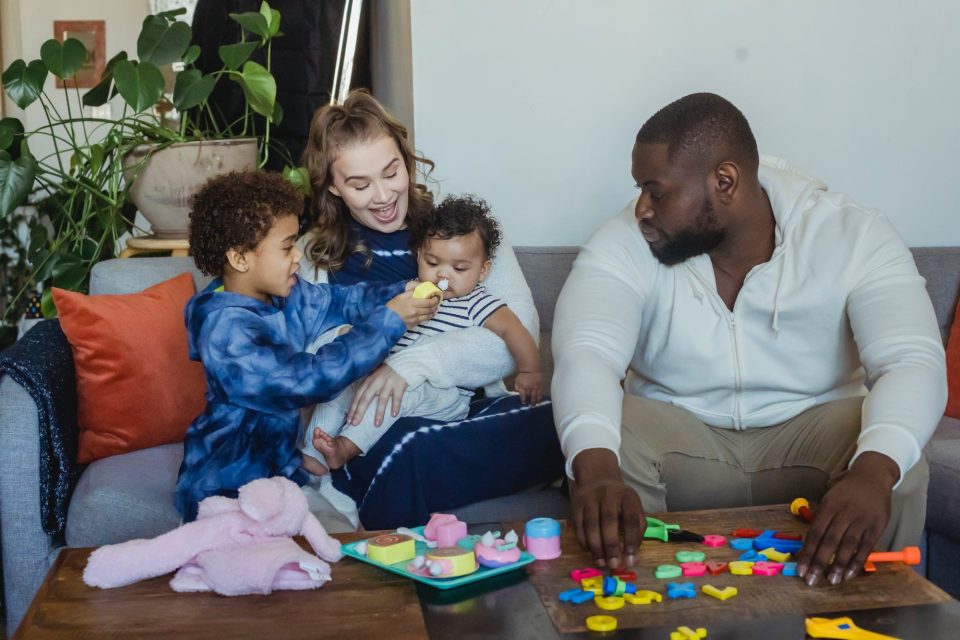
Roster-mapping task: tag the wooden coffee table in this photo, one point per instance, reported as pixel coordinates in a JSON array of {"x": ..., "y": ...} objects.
[{"x": 365, "y": 602}]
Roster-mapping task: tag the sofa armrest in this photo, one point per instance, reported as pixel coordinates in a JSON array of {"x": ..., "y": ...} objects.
[{"x": 41, "y": 363}]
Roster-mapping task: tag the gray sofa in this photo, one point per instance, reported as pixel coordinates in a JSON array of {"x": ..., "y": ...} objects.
[{"x": 130, "y": 496}]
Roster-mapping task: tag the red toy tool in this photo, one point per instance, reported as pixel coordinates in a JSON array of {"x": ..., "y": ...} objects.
[{"x": 801, "y": 508}]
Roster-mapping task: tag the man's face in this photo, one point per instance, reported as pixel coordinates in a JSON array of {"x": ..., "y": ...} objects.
[{"x": 676, "y": 216}]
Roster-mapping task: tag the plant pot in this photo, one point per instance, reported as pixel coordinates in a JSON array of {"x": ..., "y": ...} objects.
[{"x": 164, "y": 181}]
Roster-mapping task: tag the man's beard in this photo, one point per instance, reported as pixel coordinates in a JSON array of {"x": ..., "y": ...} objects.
[{"x": 699, "y": 238}]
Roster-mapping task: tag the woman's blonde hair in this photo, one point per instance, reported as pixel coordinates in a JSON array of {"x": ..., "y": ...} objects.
[{"x": 359, "y": 119}]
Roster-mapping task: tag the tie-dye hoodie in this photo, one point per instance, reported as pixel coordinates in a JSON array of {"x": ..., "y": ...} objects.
[{"x": 259, "y": 375}]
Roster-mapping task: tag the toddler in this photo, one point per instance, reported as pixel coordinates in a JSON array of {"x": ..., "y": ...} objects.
[
  {"x": 250, "y": 328},
  {"x": 454, "y": 243}
]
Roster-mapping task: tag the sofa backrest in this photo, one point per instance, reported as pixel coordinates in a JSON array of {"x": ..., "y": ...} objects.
[{"x": 545, "y": 268}]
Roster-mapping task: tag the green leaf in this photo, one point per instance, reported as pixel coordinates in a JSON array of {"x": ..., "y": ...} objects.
[
  {"x": 47, "y": 308},
  {"x": 277, "y": 116},
  {"x": 253, "y": 22},
  {"x": 172, "y": 14},
  {"x": 38, "y": 241},
  {"x": 16, "y": 179},
  {"x": 63, "y": 60},
  {"x": 192, "y": 88},
  {"x": 44, "y": 264},
  {"x": 70, "y": 272},
  {"x": 272, "y": 17},
  {"x": 24, "y": 82},
  {"x": 259, "y": 87},
  {"x": 162, "y": 42},
  {"x": 96, "y": 158},
  {"x": 234, "y": 55},
  {"x": 11, "y": 133},
  {"x": 300, "y": 177},
  {"x": 193, "y": 52},
  {"x": 141, "y": 85},
  {"x": 101, "y": 93}
]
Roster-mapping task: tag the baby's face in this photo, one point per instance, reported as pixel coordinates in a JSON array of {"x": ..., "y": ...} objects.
[{"x": 459, "y": 260}]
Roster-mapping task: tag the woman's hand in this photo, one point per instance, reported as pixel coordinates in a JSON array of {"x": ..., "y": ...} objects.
[
  {"x": 411, "y": 310},
  {"x": 384, "y": 385}
]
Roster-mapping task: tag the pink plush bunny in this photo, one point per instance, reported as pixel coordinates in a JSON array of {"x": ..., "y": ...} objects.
[{"x": 234, "y": 547}]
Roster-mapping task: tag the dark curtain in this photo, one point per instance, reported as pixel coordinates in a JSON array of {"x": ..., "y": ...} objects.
[{"x": 302, "y": 61}]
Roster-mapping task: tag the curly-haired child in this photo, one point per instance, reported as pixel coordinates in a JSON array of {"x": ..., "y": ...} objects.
[
  {"x": 455, "y": 242},
  {"x": 251, "y": 326}
]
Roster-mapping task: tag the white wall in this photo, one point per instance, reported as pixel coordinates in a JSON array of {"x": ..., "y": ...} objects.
[
  {"x": 33, "y": 21},
  {"x": 534, "y": 104}
]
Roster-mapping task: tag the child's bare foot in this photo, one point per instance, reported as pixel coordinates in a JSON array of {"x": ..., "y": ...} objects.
[
  {"x": 337, "y": 451},
  {"x": 312, "y": 465}
]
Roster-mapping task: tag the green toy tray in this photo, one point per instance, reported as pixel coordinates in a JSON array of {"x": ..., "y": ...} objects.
[{"x": 400, "y": 568}]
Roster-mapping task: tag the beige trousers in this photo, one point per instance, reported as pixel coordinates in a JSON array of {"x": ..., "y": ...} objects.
[{"x": 675, "y": 462}]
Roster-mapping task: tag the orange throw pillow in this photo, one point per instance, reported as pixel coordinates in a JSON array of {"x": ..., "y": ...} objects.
[
  {"x": 953, "y": 366},
  {"x": 136, "y": 387}
]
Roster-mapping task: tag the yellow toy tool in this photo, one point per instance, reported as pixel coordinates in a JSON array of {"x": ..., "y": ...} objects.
[
  {"x": 429, "y": 290},
  {"x": 842, "y": 629}
]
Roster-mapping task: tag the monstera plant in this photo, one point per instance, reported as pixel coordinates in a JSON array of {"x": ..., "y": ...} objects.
[{"x": 76, "y": 170}]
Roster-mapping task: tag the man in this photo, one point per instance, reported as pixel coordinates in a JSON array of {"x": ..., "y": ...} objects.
[{"x": 749, "y": 310}]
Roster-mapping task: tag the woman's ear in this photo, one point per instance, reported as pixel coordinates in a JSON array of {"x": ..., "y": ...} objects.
[
  {"x": 333, "y": 189},
  {"x": 237, "y": 260}
]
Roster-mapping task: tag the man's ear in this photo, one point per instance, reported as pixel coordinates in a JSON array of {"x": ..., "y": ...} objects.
[
  {"x": 728, "y": 181},
  {"x": 485, "y": 269},
  {"x": 237, "y": 260}
]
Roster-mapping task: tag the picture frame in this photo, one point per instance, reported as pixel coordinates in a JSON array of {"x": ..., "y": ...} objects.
[{"x": 92, "y": 33}]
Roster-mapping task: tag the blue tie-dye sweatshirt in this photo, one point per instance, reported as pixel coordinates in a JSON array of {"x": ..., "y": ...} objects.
[{"x": 259, "y": 376}]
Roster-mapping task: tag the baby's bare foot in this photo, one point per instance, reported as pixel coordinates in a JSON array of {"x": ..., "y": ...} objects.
[{"x": 337, "y": 451}]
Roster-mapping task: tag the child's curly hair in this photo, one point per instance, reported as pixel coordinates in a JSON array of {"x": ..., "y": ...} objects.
[
  {"x": 459, "y": 216},
  {"x": 236, "y": 211}
]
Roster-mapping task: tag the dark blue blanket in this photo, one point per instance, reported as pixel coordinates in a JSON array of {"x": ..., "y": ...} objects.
[
  {"x": 422, "y": 466},
  {"x": 42, "y": 363}
]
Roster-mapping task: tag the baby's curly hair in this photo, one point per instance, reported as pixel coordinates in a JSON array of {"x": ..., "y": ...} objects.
[
  {"x": 236, "y": 211},
  {"x": 459, "y": 216}
]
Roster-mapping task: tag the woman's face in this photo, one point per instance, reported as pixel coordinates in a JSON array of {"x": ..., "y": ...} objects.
[{"x": 372, "y": 180}]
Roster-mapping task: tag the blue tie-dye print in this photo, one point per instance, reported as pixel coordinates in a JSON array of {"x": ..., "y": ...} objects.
[{"x": 259, "y": 376}]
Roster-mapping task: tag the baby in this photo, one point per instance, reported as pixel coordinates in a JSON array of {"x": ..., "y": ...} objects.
[{"x": 454, "y": 243}]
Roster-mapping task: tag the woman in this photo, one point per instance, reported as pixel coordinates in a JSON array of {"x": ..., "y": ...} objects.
[{"x": 365, "y": 199}]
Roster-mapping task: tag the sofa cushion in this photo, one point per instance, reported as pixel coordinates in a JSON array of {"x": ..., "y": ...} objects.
[
  {"x": 125, "y": 497},
  {"x": 943, "y": 496},
  {"x": 136, "y": 385}
]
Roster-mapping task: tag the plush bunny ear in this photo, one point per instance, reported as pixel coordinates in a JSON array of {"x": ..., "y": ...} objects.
[{"x": 262, "y": 499}]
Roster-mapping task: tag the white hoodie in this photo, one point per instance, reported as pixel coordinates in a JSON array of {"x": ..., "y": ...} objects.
[{"x": 837, "y": 309}]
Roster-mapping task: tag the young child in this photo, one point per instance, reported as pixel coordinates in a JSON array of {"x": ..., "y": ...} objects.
[
  {"x": 455, "y": 242},
  {"x": 250, "y": 328}
]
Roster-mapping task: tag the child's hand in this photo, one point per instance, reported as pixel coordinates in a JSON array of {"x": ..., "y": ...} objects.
[
  {"x": 529, "y": 385},
  {"x": 412, "y": 311}
]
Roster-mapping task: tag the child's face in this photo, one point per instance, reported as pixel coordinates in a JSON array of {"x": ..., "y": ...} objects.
[
  {"x": 460, "y": 260},
  {"x": 272, "y": 265},
  {"x": 372, "y": 180}
]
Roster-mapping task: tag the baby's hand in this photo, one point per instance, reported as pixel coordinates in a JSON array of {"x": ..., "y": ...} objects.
[
  {"x": 529, "y": 385},
  {"x": 413, "y": 311}
]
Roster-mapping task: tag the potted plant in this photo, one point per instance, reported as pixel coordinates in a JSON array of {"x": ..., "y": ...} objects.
[{"x": 97, "y": 172}]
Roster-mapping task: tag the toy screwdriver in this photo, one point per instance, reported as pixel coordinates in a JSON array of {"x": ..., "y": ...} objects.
[{"x": 660, "y": 530}]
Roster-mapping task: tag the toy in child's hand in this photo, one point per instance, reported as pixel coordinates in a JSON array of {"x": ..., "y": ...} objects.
[{"x": 428, "y": 289}]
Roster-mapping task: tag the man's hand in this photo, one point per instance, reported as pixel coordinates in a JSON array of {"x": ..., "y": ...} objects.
[
  {"x": 849, "y": 521},
  {"x": 603, "y": 506}
]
